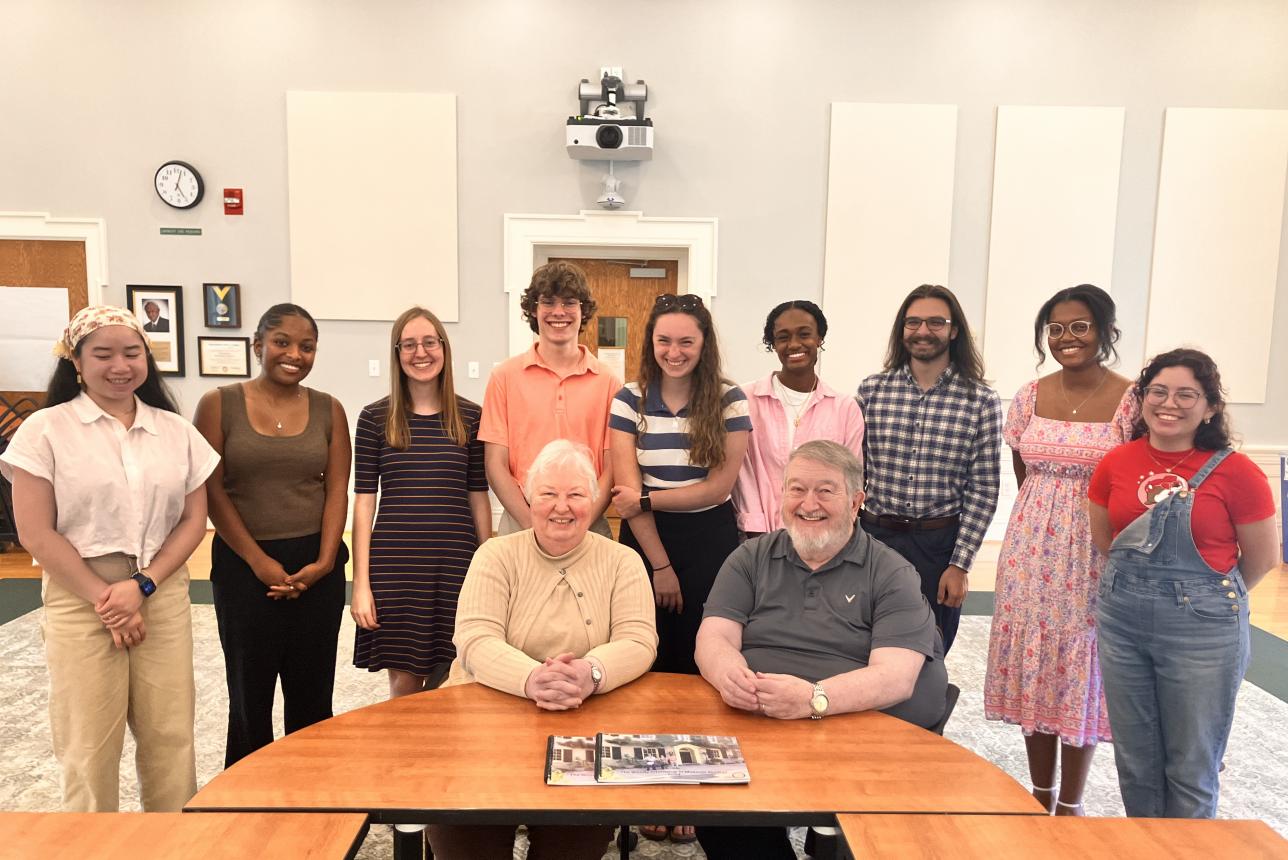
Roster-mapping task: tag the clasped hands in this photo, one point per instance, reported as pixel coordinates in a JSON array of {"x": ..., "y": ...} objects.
[
  {"x": 783, "y": 697},
  {"x": 119, "y": 608},
  {"x": 561, "y": 683},
  {"x": 288, "y": 586}
]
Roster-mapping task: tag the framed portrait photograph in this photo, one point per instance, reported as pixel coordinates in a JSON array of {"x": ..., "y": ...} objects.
[
  {"x": 160, "y": 309},
  {"x": 223, "y": 356},
  {"x": 222, "y": 305}
]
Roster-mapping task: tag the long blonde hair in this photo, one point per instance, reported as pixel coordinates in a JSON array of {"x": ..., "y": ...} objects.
[{"x": 397, "y": 428}]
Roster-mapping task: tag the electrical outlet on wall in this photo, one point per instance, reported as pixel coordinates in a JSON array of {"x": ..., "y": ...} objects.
[
  {"x": 474, "y": 370},
  {"x": 373, "y": 367}
]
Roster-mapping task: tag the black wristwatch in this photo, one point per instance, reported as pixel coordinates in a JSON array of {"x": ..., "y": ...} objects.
[
  {"x": 646, "y": 504},
  {"x": 146, "y": 585}
]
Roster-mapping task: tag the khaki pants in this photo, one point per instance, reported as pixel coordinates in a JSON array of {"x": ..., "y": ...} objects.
[
  {"x": 97, "y": 689},
  {"x": 509, "y": 525}
]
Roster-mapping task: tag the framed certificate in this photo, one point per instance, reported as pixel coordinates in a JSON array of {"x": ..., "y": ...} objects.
[
  {"x": 223, "y": 356},
  {"x": 222, "y": 305}
]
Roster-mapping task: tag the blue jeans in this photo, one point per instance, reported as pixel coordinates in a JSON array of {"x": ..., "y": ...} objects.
[{"x": 1173, "y": 637}]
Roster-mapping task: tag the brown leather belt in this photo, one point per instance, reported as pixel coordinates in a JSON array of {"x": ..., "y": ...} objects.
[{"x": 908, "y": 524}]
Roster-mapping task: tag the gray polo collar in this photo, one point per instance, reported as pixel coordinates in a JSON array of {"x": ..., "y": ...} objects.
[{"x": 855, "y": 551}]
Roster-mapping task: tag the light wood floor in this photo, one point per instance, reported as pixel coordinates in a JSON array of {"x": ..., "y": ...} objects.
[{"x": 1269, "y": 602}]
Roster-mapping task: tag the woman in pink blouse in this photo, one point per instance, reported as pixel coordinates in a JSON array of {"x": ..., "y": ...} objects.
[{"x": 789, "y": 407}]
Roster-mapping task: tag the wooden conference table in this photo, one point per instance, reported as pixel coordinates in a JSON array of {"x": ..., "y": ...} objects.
[
  {"x": 996, "y": 837},
  {"x": 472, "y": 755},
  {"x": 140, "y": 836}
]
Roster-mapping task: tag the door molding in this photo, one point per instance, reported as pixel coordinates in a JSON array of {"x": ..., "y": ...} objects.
[
  {"x": 91, "y": 232},
  {"x": 529, "y": 238}
]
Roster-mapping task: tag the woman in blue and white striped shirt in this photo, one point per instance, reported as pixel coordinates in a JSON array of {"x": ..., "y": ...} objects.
[
  {"x": 678, "y": 437},
  {"x": 679, "y": 434}
]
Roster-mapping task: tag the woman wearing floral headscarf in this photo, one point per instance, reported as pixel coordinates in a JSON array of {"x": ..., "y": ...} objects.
[{"x": 109, "y": 498}]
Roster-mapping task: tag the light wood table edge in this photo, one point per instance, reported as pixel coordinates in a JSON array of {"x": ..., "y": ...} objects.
[{"x": 849, "y": 823}]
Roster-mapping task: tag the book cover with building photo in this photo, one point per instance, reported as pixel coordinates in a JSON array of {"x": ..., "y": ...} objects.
[
  {"x": 666, "y": 758},
  {"x": 570, "y": 760}
]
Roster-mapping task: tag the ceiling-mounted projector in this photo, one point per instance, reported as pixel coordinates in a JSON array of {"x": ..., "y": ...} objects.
[
  {"x": 610, "y": 139},
  {"x": 611, "y": 126}
]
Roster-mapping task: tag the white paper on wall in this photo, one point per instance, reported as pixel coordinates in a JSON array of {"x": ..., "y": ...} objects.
[
  {"x": 31, "y": 320},
  {"x": 1217, "y": 240},
  {"x": 889, "y": 224},
  {"x": 614, "y": 359},
  {"x": 1055, "y": 211}
]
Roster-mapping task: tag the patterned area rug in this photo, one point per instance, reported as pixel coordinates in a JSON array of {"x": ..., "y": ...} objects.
[{"x": 1254, "y": 785}]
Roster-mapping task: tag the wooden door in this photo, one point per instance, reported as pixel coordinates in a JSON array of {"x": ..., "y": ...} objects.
[
  {"x": 43, "y": 264},
  {"x": 624, "y": 302}
]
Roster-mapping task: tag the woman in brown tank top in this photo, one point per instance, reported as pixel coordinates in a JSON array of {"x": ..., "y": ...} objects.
[{"x": 278, "y": 501}]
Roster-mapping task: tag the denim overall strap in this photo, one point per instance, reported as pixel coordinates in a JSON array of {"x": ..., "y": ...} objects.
[{"x": 1210, "y": 466}]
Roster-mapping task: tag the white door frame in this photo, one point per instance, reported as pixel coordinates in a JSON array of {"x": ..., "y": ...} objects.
[
  {"x": 531, "y": 239},
  {"x": 91, "y": 232}
]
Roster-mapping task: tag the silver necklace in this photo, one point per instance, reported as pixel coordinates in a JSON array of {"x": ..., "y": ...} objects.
[{"x": 273, "y": 407}]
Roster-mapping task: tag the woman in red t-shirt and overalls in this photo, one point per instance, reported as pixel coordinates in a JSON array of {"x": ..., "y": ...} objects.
[{"x": 1192, "y": 528}]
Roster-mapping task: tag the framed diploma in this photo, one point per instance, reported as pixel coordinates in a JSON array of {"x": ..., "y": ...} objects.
[
  {"x": 223, "y": 356},
  {"x": 222, "y": 303}
]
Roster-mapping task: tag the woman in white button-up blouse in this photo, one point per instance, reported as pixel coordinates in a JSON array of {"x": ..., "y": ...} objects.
[{"x": 109, "y": 498}]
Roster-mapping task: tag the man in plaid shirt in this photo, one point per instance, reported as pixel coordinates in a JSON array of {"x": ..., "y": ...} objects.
[{"x": 931, "y": 448}]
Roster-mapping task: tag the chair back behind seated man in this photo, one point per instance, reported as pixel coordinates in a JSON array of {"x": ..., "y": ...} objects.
[{"x": 817, "y": 619}]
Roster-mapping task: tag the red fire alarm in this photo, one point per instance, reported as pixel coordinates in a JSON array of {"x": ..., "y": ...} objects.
[{"x": 233, "y": 201}]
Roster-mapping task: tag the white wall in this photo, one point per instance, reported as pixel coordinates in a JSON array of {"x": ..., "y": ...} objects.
[{"x": 94, "y": 96}]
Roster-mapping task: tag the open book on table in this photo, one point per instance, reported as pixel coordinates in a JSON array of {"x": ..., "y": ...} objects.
[{"x": 622, "y": 759}]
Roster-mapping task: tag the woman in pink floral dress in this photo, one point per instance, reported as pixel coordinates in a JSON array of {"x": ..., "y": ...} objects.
[{"x": 1043, "y": 673}]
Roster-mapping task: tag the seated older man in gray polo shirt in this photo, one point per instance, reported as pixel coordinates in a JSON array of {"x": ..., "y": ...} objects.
[{"x": 818, "y": 618}]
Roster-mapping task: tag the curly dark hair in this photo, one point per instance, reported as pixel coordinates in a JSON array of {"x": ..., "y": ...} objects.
[
  {"x": 1103, "y": 316},
  {"x": 1212, "y": 434},
  {"x": 820, "y": 321},
  {"x": 557, "y": 279}
]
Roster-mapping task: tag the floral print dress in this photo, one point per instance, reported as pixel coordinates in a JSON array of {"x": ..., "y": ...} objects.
[{"x": 1043, "y": 671}]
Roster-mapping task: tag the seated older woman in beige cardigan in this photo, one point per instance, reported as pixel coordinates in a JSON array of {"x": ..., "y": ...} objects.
[{"x": 555, "y": 614}]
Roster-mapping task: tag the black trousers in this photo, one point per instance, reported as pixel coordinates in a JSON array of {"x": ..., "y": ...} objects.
[
  {"x": 929, "y": 552},
  {"x": 265, "y": 639},
  {"x": 746, "y": 843},
  {"x": 697, "y": 544}
]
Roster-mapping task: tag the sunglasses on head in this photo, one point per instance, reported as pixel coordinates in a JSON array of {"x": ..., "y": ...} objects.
[{"x": 687, "y": 302}]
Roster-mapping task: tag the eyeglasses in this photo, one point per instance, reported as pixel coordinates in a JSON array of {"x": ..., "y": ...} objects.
[
  {"x": 408, "y": 347},
  {"x": 1184, "y": 397},
  {"x": 1077, "y": 328},
  {"x": 932, "y": 323},
  {"x": 687, "y": 302},
  {"x": 549, "y": 302}
]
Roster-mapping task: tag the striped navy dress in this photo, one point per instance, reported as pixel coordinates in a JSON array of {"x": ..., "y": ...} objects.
[{"x": 423, "y": 537}]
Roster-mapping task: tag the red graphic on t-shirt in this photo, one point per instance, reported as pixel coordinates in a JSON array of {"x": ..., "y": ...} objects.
[{"x": 1157, "y": 487}]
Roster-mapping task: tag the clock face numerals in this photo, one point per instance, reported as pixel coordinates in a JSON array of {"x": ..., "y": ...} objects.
[{"x": 179, "y": 185}]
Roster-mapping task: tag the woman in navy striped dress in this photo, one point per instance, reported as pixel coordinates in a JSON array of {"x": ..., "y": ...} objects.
[{"x": 419, "y": 447}]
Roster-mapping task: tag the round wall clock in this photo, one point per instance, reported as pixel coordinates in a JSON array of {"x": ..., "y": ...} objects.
[{"x": 179, "y": 184}]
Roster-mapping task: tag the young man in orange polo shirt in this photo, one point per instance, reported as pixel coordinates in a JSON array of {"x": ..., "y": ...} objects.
[{"x": 555, "y": 390}]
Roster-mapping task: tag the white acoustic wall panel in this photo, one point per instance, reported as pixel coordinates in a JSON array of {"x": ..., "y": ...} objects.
[
  {"x": 1055, "y": 205},
  {"x": 1216, "y": 240},
  {"x": 372, "y": 181},
  {"x": 889, "y": 220}
]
